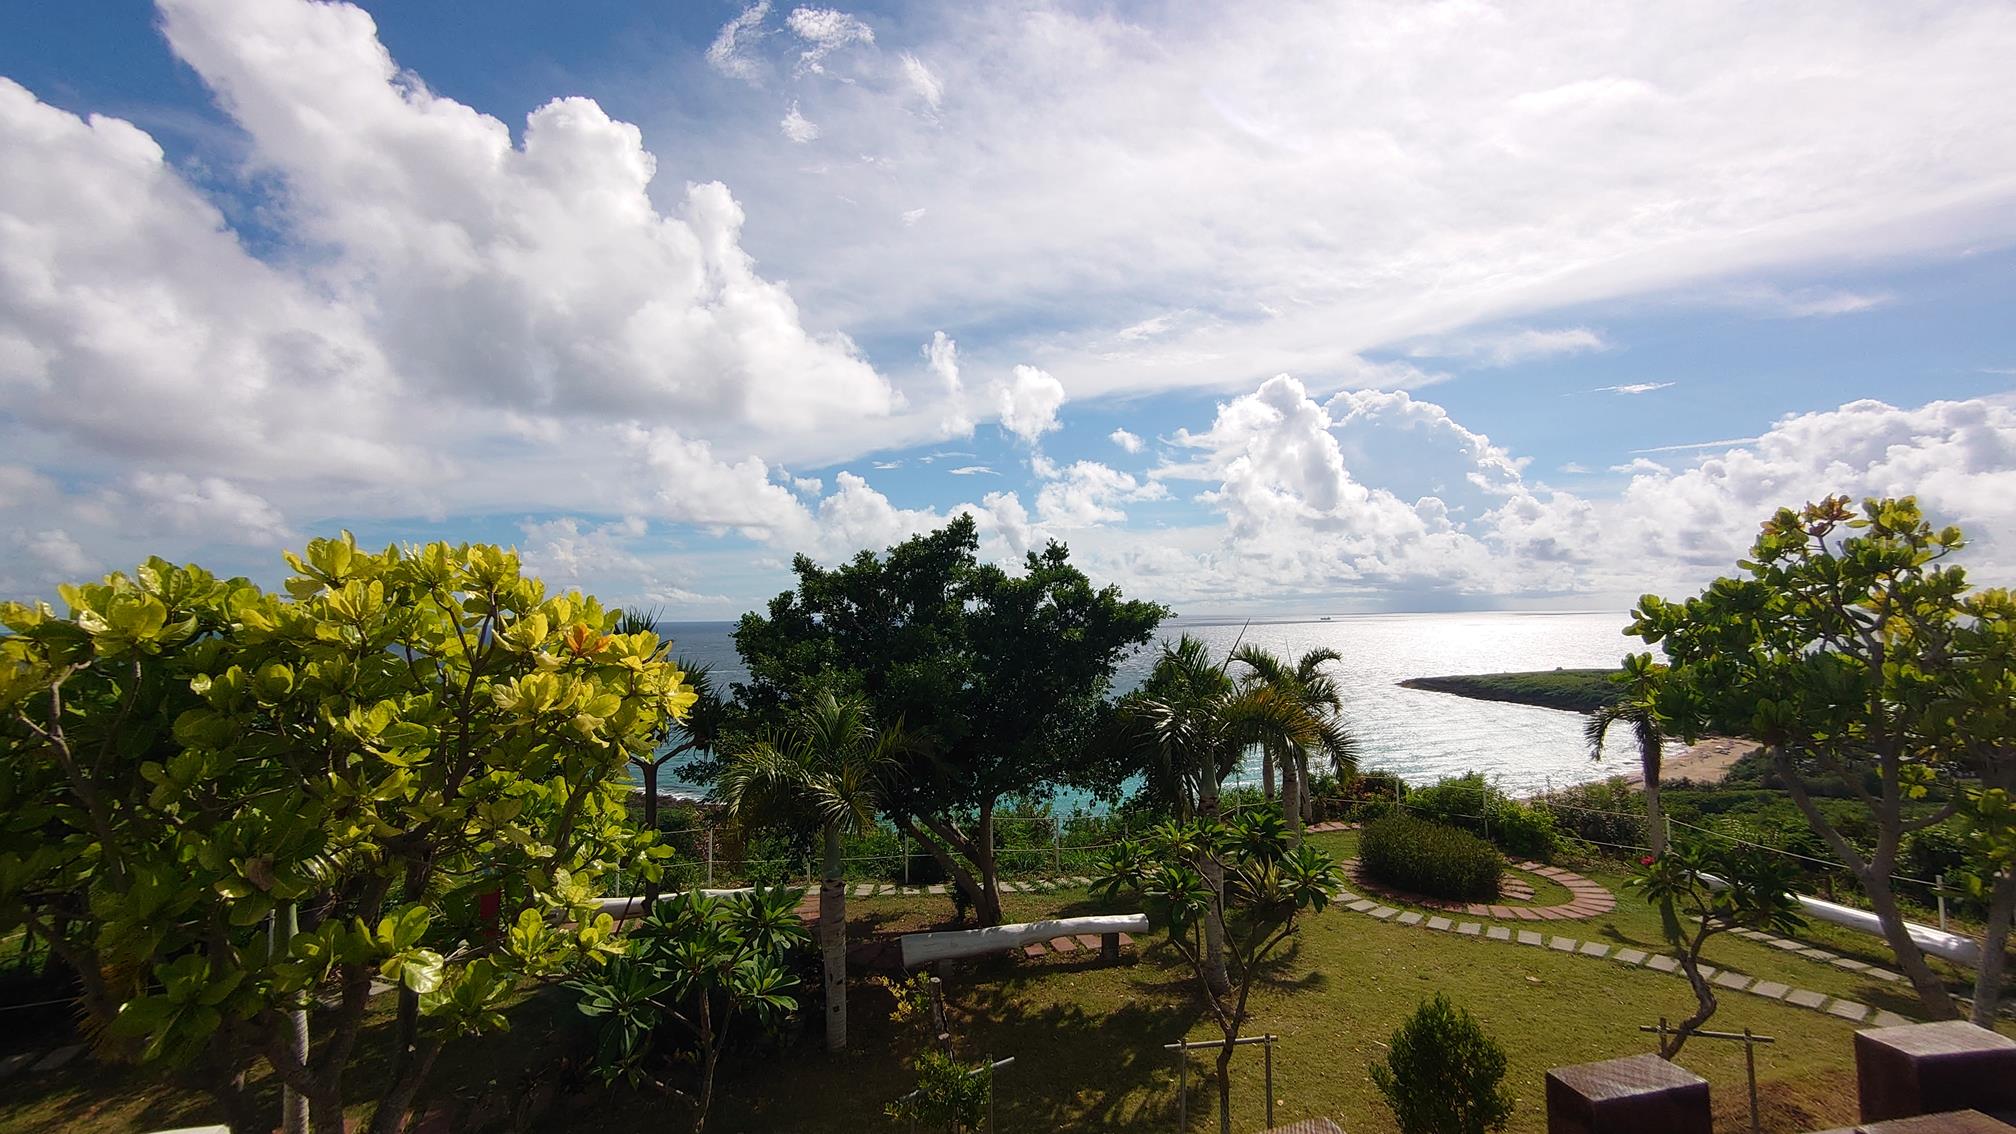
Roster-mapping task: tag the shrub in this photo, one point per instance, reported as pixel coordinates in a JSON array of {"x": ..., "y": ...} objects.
[
  {"x": 1427, "y": 858},
  {"x": 1474, "y": 804},
  {"x": 1609, "y": 813},
  {"x": 1443, "y": 1074}
]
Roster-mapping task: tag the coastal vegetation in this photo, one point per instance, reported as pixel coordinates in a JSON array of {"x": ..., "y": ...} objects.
[{"x": 1575, "y": 690}]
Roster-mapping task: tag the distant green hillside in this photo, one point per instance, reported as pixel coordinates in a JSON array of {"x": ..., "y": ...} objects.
[{"x": 1576, "y": 690}]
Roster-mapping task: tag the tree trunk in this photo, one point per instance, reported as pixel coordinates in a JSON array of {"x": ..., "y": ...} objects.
[
  {"x": 293, "y": 1105},
  {"x": 833, "y": 940},
  {"x": 987, "y": 903},
  {"x": 1267, "y": 775},
  {"x": 1655, "y": 815},
  {"x": 1215, "y": 977},
  {"x": 1294, "y": 788},
  {"x": 650, "y": 770},
  {"x": 1988, "y": 978},
  {"x": 1306, "y": 802},
  {"x": 396, "y": 1107},
  {"x": 1225, "y": 1087}
]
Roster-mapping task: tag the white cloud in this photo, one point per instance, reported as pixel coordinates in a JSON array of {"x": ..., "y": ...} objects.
[
  {"x": 972, "y": 470},
  {"x": 942, "y": 354},
  {"x": 825, "y": 30},
  {"x": 885, "y": 465},
  {"x": 211, "y": 506},
  {"x": 58, "y": 554},
  {"x": 1146, "y": 328},
  {"x": 1632, "y": 388},
  {"x": 1087, "y": 493},
  {"x": 912, "y": 216},
  {"x": 1029, "y": 402},
  {"x": 1507, "y": 348},
  {"x": 923, "y": 81},
  {"x": 797, "y": 127},
  {"x": 1725, "y": 443},
  {"x": 1574, "y": 468},
  {"x": 730, "y": 52},
  {"x": 1126, "y": 440},
  {"x": 1808, "y": 302}
]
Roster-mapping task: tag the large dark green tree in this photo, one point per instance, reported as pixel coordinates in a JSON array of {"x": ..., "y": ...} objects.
[
  {"x": 1856, "y": 653},
  {"x": 1000, "y": 676}
]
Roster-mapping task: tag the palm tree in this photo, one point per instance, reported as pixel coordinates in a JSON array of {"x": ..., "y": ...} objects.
[
  {"x": 1191, "y": 724},
  {"x": 831, "y": 761},
  {"x": 1316, "y": 693},
  {"x": 698, "y": 733},
  {"x": 1638, "y": 707}
]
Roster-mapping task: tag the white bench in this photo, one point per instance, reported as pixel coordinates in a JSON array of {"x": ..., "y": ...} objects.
[{"x": 1043, "y": 936}]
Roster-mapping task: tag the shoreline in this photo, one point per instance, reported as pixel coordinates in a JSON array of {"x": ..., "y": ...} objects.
[{"x": 1707, "y": 761}]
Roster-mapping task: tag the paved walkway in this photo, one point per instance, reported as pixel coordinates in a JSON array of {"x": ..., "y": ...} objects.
[
  {"x": 1634, "y": 958},
  {"x": 1587, "y": 899}
]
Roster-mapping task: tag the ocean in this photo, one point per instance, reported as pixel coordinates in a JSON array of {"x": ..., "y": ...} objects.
[{"x": 1418, "y": 734}]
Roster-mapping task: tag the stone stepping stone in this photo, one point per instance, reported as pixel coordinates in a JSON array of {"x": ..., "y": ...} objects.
[
  {"x": 1805, "y": 998},
  {"x": 1663, "y": 963},
  {"x": 937, "y": 889},
  {"x": 863, "y": 891},
  {"x": 1771, "y": 988},
  {"x": 1439, "y": 923},
  {"x": 1384, "y": 912},
  {"x": 1631, "y": 956},
  {"x": 1035, "y": 949},
  {"x": 1344, "y": 895},
  {"x": 1410, "y": 918},
  {"x": 1563, "y": 944},
  {"x": 1816, "y": 954},
  {"x": 1498, "y": 933},
  {"x": 1849, "y": 1010},
  {"x": 1063, "y": 945},
  {"x": 14, "y": 1064},
  {"x": 1469, "y": 929},
  {"x": 1788, "y": 946},
  {"x": 1361, "y": 905},
  {"x": 1849, "y": 963},
  {"x": 1737, "y": 981},
  {"x": 1886, "y": 974},
  {"x": 58, "y": 1059},
  {"x": 1708, "y": 972},
  {"x": 1528, "y": 937},
  {"x": 1594, "y": 949}
]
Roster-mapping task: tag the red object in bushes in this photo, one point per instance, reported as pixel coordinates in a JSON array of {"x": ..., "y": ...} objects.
[{"x": 489, "y": 907}]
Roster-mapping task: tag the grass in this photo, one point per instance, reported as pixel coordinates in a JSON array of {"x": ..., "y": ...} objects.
[
  {"x": 1088, "y": 1040},
  {"x": 1576, "y": 690}
]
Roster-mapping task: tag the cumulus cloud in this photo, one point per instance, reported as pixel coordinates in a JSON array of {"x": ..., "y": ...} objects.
[
  {"x": 1632, "y": 388},
  {"x": 1029, "y": 402},
  {"x": 1087, "y": 493},
  {"x": 942, "y": 354},
  {"x": 1126, "y": 440}
]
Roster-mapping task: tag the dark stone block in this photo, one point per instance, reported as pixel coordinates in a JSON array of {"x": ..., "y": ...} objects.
[
  {"x": 1643, "y": 1094},
  {"x": 1918, "y": 1069},
  {"x": 1953, "y": 1122}
]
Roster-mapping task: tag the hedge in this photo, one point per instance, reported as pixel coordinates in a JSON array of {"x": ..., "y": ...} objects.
[{"x": 1430, "y": 859}]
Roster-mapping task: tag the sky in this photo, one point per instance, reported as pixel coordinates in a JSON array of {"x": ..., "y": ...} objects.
[{"x": 1258, "y": 308}]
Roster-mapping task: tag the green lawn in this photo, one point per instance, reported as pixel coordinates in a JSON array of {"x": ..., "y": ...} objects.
[{"x": 1088, "y": 1040}]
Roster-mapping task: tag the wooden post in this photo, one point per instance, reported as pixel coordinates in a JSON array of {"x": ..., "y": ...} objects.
[
  {"x": 1182, "y": 1088},
  {"x": 710, "y": 856},
  {"x": 1642, "y": 1094},
  {"x": 1915, "y": 1069},
  {"x": 1269, "y": 1046},
  {"x": 1109, "y": 948}
]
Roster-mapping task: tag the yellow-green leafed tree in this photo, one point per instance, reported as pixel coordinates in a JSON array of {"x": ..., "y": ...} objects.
[{"x": 416, "y": 755}]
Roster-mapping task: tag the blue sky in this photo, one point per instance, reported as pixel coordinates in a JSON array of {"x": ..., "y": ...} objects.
[{"x": 1372, "y": 306}]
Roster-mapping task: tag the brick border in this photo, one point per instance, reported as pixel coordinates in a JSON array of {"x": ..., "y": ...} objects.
[{"x": 1588, "y": 899}]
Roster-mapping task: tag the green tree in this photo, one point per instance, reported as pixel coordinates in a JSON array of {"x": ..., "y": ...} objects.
[
  {"x": 1266, "y": 887},
  {"x": 1001, "y": 676},
  {"x": 182, "y": 758},
  {"x": 1853, "y": 650},
  {"x": 831, "y": 762},
  {"x": 696, "y": 734},
  {"x": 1443, "y": 1074},
  {"x": 1188, "y": 726},
  {"x": 1637, "y": 709},
  {"x": 1702, "y": 890},
  {"x": 1308, "y": 686},
  {"x": 698, "y": 962}
]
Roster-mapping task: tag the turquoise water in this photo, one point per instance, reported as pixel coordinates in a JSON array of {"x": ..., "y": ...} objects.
[{"x": 1419, "y": 734}]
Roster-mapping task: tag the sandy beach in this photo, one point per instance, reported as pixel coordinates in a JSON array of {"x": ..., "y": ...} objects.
[{"x": 1705, "y": 761}]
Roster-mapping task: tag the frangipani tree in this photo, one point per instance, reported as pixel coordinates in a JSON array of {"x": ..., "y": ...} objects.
[
  {"x": 1850, "y": 648},
  {"x": 399, "y": 735},
  {"x": 1266, "y": 886}
]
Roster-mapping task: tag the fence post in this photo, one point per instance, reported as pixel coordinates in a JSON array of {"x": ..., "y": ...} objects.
[
  {"x": 1939, "y": 880},
  {"x": 1269, "y": 1047},
  {"x": 1182, "y": 1088},
  {"x": 1057, "y": 857},
  {"x": 710, "y": 856}
]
